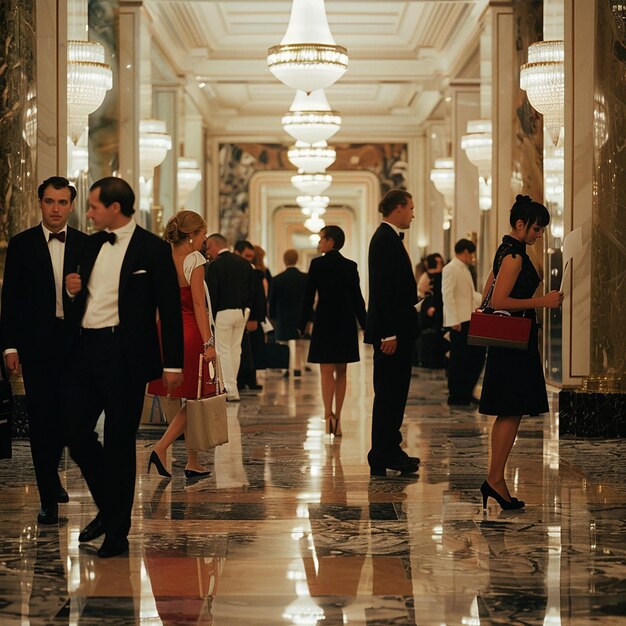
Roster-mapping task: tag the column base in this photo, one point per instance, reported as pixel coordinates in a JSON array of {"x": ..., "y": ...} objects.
[{"x": 592, "y": 414}]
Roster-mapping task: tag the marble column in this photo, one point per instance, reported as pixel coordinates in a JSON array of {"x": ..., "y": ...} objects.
[
  {"x": 595, "y": 189},
  {"x": 466, "y": 218},
  {"x": 129, "y": 25},
  {"x": 193, "y": 146}
]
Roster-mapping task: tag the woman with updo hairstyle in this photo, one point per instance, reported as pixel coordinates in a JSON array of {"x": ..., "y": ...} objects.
[
  {"x": 514, "y": 384},
  {"x": 186, "y": 232},
  {"x": 340, "y": 306}
]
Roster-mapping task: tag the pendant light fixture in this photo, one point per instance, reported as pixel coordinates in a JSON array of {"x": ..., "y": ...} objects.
[
  {"x": 188, "y": 175},
  {"x": 154, "y": 144},
  {"x": 310, "y": 117},
  {"x": 308, "y": 57},
  {"x": 312, "y": 158},
  {"x": 315, "y": 223},
  {"x": 477, "y": 145},
  {"x": 311, "y": 184}
]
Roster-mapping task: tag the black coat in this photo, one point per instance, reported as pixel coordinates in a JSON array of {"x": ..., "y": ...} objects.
[
  {"x": 392, "y": 289},
  {"x": 141, "y": 294},
  {"x": 339, "y": 306},
  {"x": 286, "y": 298},
  {"x": 28, "y": 293},
  {"x": 230, "y": 280}
]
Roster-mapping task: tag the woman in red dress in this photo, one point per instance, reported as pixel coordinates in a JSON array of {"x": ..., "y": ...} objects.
[{"x": 186, "y": 232}]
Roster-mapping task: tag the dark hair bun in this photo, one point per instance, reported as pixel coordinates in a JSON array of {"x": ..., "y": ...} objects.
[{"x": 520, "y": 199}]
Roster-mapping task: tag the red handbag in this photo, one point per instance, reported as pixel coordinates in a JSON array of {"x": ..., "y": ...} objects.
[{"x": 498, "y": 328}]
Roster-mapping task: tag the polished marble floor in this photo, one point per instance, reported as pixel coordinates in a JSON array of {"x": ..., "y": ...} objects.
[{"x": 290, "y": 530}]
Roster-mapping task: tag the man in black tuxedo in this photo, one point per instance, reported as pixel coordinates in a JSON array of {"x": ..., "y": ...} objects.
[
  {"x": 231, "y": 286},
  {"x": 126, "y": 275},
  {"x": 392, "y": 327},
  {"x": 35, "y": 334},
  {"x": 246, "y": 376},
  {"x": 286, "y": 299}
]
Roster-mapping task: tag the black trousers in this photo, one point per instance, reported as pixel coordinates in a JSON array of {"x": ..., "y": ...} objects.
[
  {"x": 466, "y": 364},
  {"x": 392, "y": 379},
  {"x": 43, "y": 380},
  {"x": 100, "y": 380},
  {"x": 247, "y": 371}
]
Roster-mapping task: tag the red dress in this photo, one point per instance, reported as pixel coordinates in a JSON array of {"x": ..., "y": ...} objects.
[{"x": 193, "y": 350}]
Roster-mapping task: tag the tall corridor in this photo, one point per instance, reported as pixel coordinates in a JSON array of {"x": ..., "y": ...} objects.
[{"x": 290, "y": 529}]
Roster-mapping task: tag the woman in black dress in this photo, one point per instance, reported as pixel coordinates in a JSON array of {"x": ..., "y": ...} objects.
[
  {"x": 514, "y": 385},
  {"x": 334, "y": 340}
]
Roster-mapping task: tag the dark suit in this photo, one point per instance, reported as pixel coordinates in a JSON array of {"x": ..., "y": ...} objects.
[
  {"x": 286, "y": 298},
  {"x": 43, "y": 342},
  {"x": 112, "y": 369},
  {"x": 251, "y": 338},
  {"x": 391, "y": 312}
]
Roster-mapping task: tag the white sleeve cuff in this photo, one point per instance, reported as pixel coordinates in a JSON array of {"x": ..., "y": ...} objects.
[{"x": 173, "y": 370}]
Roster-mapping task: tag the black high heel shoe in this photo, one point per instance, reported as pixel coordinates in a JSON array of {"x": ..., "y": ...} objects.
[
  {"x": 196, "y": 473},
  {"x": 506, "y": 505},
  {"x": 156, "y": 461}
]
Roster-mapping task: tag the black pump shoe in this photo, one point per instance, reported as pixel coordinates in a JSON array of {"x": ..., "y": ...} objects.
[
  {"x": 506, "y": 505},
  {"x": 156, "y": 461},
  {"x": 92, "y": 531},
  {"x": 196, "y": 474},
  {"x": 48, "y": 515}
]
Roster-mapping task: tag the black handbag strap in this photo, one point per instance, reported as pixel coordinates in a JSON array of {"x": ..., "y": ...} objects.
[{"x": 488, "y": 296}]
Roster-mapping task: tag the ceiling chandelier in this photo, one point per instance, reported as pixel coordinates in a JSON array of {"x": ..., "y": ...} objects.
[
  {"x": 315, "y": 223},
  {"x": 543, "y": 79},
  {"x": 88, "y": 80},
  {"x": 477, "y": 145},
  {"x": 310, "y": 117},
  {"x": 308, "y": 57},
  {"x": 311, "y": 184},
  {"x": 442, "y": 176},
  {"x": 154, "y": 144},
  {"x": 188, "y": 175},
  {"x": 312, "y": 158},
  {"x": 305, "y": 202}
]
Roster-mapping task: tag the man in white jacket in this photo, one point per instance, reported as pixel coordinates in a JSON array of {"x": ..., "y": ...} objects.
[{"x": 460, "y": 298}]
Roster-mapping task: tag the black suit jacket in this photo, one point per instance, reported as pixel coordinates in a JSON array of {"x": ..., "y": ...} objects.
[
  {"x": 286, "y": 298},
  {"x": 231, "y": 282},
  {"x": 141, "y": 294},
  {"x": 28, "y": 313},
  {"x": 392, "y": 289}
]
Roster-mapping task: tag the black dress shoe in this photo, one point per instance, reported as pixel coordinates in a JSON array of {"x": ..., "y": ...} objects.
[
  {"x": 48, "y": 515},
  {"x": 113, "y": 547},
  {"x": 196, "y": 474},
  {"x": 404, "y": 467},
  {"x": 93, "y": 530},
  {"x": 404, "y": 457},
  {"x": 62, "y": 495}
]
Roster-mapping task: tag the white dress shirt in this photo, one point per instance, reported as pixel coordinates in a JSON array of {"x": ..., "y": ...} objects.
[
  {"x": 102, "y": 308},
  {"x": 460, "y": 298},
  {"x": 57, "y": 252}
]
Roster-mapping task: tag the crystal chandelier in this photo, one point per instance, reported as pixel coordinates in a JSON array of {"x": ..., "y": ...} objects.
[
  {"x": 308, "y": 57},
  {"x": 311, "y": 184},
  {"x": 188, "y": 176},
  {"x": 442, "y": 176},
  {"x": 310, "y": 118},
  {"x": 543, "y": 79},
  {"x": 477, "y": 145},
  {"x": 312, "y": 158},
  {"x": 305, "y": 202},
  {"x": 315, "y": 223},
  {"x": 154, "y": 144},
  {"x": 314, "y": 238},
  {"x": 88, "y": 80}
]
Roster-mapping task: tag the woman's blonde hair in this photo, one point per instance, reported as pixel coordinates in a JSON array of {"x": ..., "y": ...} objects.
[
  {"x": 181, "y": 225},
  {"x": 259, "y": 256}
]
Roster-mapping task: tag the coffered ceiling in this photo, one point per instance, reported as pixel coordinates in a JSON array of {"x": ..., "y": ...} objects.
[{"x": 402, "y": 58}]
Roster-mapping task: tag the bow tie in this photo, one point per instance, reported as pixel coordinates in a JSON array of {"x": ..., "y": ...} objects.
[
  {"x": 107, "y": 236},
  {"x": 60, "y": 236},
  {"x": 401, "y": 235}
]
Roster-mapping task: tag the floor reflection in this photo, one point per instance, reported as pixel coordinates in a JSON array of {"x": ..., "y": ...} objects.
[{"x": 289, "y": 529}]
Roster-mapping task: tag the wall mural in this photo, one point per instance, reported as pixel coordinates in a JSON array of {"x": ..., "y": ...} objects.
[
  {"x": 18, "y": 121},
  {"x": 238, "y": 162}
]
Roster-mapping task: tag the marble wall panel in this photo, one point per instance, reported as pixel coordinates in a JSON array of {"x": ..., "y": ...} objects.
[
  {"x": 608, "y": 269},
  {"x": 238, "y": 162},
  {"x": 18, "y": 208}
]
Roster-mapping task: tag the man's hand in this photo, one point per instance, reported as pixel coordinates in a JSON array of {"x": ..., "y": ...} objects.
[
  {"x": 172, "y": 380},
  {"x": 457, "y": 327},
  {"x": 13, "y": 362},
  {"x": 430, "y": 311},
  {"x": 73, "y": 283},
  {"x": 251, "y": 326},
  {"x": 388, "y": 347}
]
